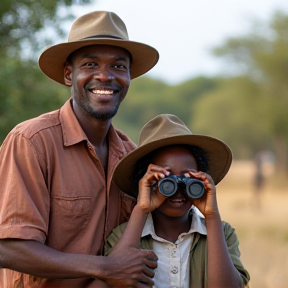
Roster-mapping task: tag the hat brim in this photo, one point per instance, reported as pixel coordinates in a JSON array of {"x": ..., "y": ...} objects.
[
  {"x": 52, "y": 60},
  {"x": 218, "y": 153}
]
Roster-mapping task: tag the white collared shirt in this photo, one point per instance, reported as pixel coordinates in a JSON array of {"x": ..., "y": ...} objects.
[{"x": 173, "y": 258}]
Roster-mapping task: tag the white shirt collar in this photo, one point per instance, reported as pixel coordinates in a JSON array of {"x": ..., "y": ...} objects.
[{"x": 197, "y": 224}]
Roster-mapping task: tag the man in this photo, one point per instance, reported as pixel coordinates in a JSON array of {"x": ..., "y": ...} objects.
[{"x": 57, "y": 201}]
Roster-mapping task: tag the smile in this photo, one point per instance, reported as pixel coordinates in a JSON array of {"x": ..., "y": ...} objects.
[
  {"x": 102, "y": 92},
  {"x": 177, "y": 200}
]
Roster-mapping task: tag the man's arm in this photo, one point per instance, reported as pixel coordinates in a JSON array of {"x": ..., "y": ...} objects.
[{"x": 127, "y": 269}]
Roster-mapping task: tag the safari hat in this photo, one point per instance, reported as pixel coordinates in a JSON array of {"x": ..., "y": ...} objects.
[
  {"x": 165, "y": 130},
  {"x": 103, "y": 28}
]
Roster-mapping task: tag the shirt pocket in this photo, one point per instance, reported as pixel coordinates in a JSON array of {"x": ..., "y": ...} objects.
[{"x": 68, "y": 216}]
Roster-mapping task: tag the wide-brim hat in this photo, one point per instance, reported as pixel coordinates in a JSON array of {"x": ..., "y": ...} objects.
[
  {"x": 103, "y": 28},
  {"x": 165, "y": 130}
]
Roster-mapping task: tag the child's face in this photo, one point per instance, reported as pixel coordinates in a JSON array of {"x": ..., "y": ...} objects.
[{"x": 179, "y": 160}]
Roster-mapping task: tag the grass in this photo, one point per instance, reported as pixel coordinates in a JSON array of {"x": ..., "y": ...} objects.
[{"x": 260, "y": 222}]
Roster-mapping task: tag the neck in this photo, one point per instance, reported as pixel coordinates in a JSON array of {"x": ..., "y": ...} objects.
[
  {"x": 96, "y": 130},
  {"x": 169, "y": 228}
]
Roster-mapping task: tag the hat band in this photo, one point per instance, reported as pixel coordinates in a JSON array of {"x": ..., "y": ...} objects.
[{"x": 103, "y": 36}]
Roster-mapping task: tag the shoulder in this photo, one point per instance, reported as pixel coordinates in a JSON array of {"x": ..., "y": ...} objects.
[
  {"x": 127, "y": 142},
  {"x": 31, "y": 132},
  {"x": 227, "y": 228},
  {"x": 29, "y": 128},
  {"x": 230, "y": 235},
  {"x": 33, "y": 126}
]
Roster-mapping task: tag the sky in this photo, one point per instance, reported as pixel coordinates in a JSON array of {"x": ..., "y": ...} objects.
[{"x": 185, "y": 31}]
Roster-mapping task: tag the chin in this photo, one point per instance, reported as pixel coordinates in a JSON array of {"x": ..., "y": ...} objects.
[{"x": 103, "y": 115}]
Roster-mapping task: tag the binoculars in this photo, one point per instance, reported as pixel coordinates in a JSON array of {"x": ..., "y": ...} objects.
[{"x": 169, "y": 185}]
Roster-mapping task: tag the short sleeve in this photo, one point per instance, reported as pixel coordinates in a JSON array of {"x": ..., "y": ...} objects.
[{"x": 24, "y": 197}]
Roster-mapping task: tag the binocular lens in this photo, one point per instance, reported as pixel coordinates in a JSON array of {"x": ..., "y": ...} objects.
[
  {"x": 170, "y": 184},
  {"x": 195, "y": 189},
  {"x": 167, "y": 187}
]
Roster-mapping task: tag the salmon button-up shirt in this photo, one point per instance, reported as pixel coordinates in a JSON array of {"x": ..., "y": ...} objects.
[{"x": 54, "y": 189}]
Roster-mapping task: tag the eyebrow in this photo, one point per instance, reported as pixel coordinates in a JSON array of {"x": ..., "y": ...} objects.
[{"x": 95, "y": 56}]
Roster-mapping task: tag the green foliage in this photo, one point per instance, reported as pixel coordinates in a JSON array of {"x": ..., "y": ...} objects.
[
  {"x": 247, "y": 109},
  {"x": 25, "y": 91},
  {"x": 263, "y": 56},
  {"x": 148, "y": 97},
  {"x": 231, "y": 112},
  {"x": 22, "y": 23}
]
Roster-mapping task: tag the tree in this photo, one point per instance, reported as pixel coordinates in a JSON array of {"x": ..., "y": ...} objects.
[
  {"x": 228, "y": 112},
  {"x": 263, "y": 55},
  {"x": 149, "y": 97},
  {"x": 23, "y": 22},
  {"x": 25, "y": 91}
]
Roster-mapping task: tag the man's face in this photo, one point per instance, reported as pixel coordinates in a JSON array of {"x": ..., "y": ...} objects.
[{"x": 100, "y": 77}]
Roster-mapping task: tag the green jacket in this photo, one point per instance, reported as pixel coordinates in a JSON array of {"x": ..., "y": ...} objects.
[{"x": 198, "y": 253}]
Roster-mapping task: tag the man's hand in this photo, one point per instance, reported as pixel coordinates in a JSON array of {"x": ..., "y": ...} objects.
[{"x": 130, "y": 267}]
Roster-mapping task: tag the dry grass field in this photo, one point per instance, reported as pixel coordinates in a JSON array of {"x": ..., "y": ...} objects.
[{"x": 261, "y": 224}]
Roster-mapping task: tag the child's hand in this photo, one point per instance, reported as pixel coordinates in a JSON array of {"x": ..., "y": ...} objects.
[
  {"x": 207, "y": 205},
  {"x": 149, "y": 198}
]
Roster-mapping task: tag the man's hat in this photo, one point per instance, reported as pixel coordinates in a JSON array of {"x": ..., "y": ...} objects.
[
  {"x": 165, "y": 130},
  {"x": 103, "y": 28}
]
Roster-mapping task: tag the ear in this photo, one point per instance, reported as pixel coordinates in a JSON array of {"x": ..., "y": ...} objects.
[{"x": 68, "y": 75}]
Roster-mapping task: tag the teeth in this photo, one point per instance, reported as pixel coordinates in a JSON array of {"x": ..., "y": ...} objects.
[
  {"x": 102, "y": 92},
  {"x": 177, "y": 200}
]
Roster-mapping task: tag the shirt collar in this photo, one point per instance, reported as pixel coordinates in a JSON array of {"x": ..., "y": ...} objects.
[
  {"x": 197, "y": 224},
  {"x": 71, "y": 129},
  {"x": 73, "y": 132}
]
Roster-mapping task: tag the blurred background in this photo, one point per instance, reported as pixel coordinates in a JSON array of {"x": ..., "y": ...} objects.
[{"x": 223, "y": 70}]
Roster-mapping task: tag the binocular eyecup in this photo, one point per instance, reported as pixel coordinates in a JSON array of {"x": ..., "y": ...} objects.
[{"x": 168, "y": 186}]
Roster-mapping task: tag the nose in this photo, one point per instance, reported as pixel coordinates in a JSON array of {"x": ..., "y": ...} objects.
[{"x": 104, "y": 74}]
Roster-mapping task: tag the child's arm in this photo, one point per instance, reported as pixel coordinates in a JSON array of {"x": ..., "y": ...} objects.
[
  {"x": 129, "y": 240},
  {"x": 148, "y": 200},
  {"x": 221, "y": 270}
]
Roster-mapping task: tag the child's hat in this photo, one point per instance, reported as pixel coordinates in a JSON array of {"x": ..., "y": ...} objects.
[
  {"x": 165, "y": 130},
  {"x": 101, "y": 28}
]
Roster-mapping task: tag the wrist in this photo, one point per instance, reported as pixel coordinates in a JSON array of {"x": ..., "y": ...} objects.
[
  {"x": 215, "y": 216},
  {"x": 141, "y": 210}
]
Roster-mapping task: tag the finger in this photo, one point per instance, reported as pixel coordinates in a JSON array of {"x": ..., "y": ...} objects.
[
  {"x": 145, "y": 285},
  {"x": 205, "y": 177},
  {"x": 151, "y": 265},
  {"x": 158, "y": 170},
  {"x": 149, "y": 272},
  {"x": 145, "y": 280},
  {"x": 150, "y": 255}
]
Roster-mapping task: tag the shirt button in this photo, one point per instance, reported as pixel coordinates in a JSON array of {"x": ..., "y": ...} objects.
[
  {"x": 174, "y": 269},
  {"x": 173, "y": 254}
]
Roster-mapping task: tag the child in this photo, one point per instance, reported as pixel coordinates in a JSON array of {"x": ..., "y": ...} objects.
[{"x": 194, "y": 247}]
